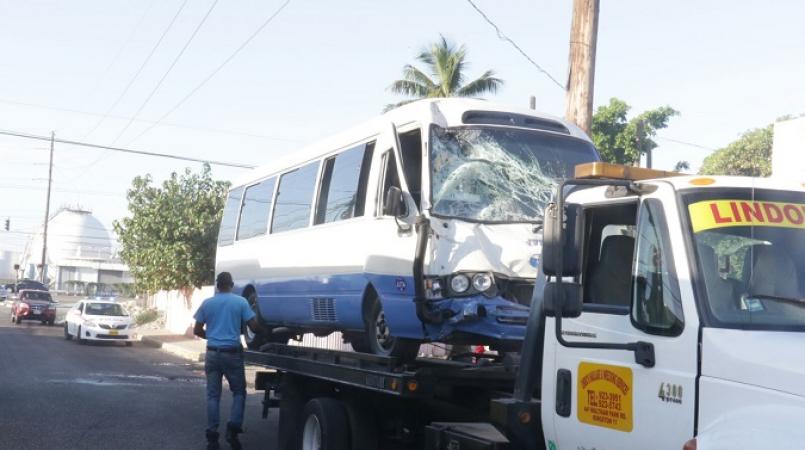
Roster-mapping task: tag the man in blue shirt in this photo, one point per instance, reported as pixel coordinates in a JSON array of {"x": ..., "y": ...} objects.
[{"x": 224, "y": 315}]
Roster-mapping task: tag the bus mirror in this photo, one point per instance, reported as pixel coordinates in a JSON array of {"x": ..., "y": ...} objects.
[
  {"x": 394, "y": 203},
  {"x": 571, "y": 224},
  {"x": 563, "y": 299}
]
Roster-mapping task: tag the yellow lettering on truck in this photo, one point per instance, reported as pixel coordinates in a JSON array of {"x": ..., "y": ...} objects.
[{"x": 711, "y": 214}]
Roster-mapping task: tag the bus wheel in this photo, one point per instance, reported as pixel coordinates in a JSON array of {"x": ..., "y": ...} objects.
[
  {"x": 380, "y": 340},
  {"x": 254, "y": 339},
  {"x": 325, "y": 425}
]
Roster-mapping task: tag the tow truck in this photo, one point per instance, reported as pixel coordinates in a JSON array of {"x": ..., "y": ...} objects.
[{"x": 668, "y": 314}]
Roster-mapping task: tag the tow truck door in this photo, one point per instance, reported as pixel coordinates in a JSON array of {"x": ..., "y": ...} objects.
[{"x": 602, "y": 399}]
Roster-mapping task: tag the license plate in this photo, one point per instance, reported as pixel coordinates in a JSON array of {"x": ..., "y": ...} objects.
[{"x": 112, "y": 332}]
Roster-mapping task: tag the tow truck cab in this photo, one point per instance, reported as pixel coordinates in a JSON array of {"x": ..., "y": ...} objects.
[{"x": 675, "y": 313}]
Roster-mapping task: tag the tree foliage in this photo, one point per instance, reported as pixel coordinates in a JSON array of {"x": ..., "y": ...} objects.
[
  {"x": 621, "y": 140},
  {"x": 750, "y": 155},
  {"x": 169, "y": 238},
  {"x": 444, "y": 75}
]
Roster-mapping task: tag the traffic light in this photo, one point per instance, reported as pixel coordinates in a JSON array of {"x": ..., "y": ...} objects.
[{"x": 8, "y": 224}]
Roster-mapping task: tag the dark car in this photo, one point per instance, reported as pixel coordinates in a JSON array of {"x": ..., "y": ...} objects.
[{"x": 33, "y": 305}]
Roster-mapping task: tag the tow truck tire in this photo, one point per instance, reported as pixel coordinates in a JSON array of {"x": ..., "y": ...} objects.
[
  {"x": 362, "y": 427},
  {"x": 324, "y": 425},
  {"x": 67, "y": 334},
  {"x": 380, "y": 340}
]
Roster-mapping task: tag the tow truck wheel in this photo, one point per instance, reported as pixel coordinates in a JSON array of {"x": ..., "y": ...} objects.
[
  {"x": 380, "y": 340},
  {"x": 325, "y": 425},
  {"x": 362, "y": 427},
  {"x": 67, "y": 334}
]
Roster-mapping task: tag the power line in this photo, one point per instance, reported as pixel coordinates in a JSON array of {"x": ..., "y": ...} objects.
[
  {"x": 214, "y": 72},
  {"x": 690, "y": 144},
  {"x": 176, "y": 125},
  {"x": 167, "y": 72},
  {"x": 120, "y": 52},
  {"x": 503, "y": 37},
  {"x": 123, "y": 150},
  {"x": 139, "y": 71}
]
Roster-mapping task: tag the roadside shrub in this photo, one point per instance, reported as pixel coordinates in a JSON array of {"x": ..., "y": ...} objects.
[{"x": 146, "y": 316}]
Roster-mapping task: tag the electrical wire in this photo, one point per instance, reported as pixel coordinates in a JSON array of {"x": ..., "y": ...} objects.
[
  {"x": 167, "y": 72},
  {"x": 215, "y": 71},
  {"x": 176, "y": 125},
  {"x": 119, "y": 53},
  {"x": 139, "y": 71},
  {"x": 690, "y": 144},
  {"x": 122, "y": 150},
  {"x": 503, "y": 37}
]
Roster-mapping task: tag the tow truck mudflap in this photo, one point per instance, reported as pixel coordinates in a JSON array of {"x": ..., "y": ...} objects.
[
  {"x": 267, "y": 382},
  {"x": 464, "y": 436}
]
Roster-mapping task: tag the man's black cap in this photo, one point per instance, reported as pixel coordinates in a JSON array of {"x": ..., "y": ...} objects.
[{"x": 224, "y": 279}]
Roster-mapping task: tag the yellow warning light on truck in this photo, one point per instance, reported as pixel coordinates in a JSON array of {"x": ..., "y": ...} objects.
[{"x": 620, "y": 172}]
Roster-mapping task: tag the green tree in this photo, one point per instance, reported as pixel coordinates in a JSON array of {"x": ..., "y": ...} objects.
[
  {"x": 444, "y": 75},
  {"x": 168, "y": 239},
  {"x": 621, "y": 140},
  {"x": 750, "y": 155}
]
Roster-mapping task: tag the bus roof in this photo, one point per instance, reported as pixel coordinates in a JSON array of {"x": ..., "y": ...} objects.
[{"x": 445, "y": 111}]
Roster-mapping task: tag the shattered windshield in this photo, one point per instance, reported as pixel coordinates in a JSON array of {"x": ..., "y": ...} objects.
[
  {"x": 499, "y": 174},
  {"x": 750, "y": 246}
]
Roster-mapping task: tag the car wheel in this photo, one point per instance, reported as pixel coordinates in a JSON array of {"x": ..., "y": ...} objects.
[
  {"x": 67, "y": 334},
  {"x": 382, "y": 342},
  {"x": 78, "y": 337},
  {"x": 51, "y": 323},
  {"x": 129, "y": 344}
]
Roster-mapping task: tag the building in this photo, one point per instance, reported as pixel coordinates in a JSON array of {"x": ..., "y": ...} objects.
[
  {"x": 80, "y": 253},
  {"x": 788, "y": 151}
]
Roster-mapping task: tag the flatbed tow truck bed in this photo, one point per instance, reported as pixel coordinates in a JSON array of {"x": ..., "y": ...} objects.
[{"x": 427, "y": 403}]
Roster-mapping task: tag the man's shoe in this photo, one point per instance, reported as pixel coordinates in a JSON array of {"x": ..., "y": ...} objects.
[
  {"x": 212, "y": 440},
  {"x": 232, "y": 436}
]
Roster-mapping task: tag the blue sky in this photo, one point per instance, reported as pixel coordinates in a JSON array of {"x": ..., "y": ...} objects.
[{"x": 322, "y": 66}]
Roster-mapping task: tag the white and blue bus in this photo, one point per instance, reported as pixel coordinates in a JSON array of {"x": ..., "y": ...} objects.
[{"x": 421, "y": 225}]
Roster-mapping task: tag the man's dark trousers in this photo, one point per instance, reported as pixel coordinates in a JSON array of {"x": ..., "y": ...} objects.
[{"x": 218, "y": 364}]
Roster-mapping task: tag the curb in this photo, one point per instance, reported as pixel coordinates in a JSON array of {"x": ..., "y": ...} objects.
[{"x": 174, "y": 349}]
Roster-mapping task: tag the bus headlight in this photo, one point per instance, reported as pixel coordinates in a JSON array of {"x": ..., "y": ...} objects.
[
  {"x": 459, "y": 283},
  {"x": 482, "y": 281}
]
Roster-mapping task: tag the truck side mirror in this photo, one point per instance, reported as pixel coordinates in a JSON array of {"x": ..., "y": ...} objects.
[
  {"x": 394, "y": 203},
  {"x": 571, "y": 224},
  {"x": 563, "y": 299}
]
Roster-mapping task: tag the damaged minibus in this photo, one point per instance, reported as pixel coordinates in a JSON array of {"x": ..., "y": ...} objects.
[{"x": 421, "y": 225}]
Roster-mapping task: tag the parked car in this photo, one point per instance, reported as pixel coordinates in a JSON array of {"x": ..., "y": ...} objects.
[
  {"x": 33, "y": 305},
  {"x": 99, "y": 320},
  {"x": 14, "y": 288}
]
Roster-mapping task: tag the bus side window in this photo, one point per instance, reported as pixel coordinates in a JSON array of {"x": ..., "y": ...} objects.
[
  {"x": 343, "y": 185},
  {"x": 411, "y": 149},
  {"x": 294, "y": 198},
  {"x": 226, "y": 234},
  {"x": 390, "y": 178}
]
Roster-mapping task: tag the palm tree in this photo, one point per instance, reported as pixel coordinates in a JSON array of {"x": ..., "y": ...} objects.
[{"x": 446, "y": 65}]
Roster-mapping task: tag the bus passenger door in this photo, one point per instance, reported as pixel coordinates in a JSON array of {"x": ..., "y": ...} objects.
[
  {"x": 637, "y": 289},
  {"x": 389, "y": 263}
]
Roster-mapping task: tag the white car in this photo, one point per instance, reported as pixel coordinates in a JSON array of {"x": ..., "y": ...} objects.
[{"x": 99, "y": 320}]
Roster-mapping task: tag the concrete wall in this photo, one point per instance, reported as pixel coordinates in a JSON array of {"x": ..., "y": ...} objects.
[{"x": 788, "y": 152}]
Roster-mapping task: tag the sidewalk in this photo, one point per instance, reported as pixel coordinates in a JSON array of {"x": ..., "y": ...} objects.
[{"x": 189, "y": 348}]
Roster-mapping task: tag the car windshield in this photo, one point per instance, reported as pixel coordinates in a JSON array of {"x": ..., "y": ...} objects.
[
  {"x": 499, "y": 174},
  {"x": 104, "y": 309},
  {"x": 31, "y": 295},
  {"x": 750, "y": 246}
]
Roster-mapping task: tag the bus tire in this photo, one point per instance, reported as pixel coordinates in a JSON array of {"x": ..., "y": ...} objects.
[
  {"x": 324, "y": 425},
  {"x": 380, "y": 340},
  {"x": 254, "y": 339}
]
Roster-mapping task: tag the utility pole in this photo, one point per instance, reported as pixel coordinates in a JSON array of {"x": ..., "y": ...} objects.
[
  {"x": 532, "y": 102},
  {"x": 581, "y": 74},
  {"x": 47, "y": 209}
]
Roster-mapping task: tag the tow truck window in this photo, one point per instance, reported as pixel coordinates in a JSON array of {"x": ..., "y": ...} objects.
[
  {"x": 657, "y": 306},
  {"x": 609, "y": 248},
  {"x": 750, "y": 251}
]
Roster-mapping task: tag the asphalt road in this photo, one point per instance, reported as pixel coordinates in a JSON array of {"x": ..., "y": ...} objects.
[{"x": 57, "y": 394}]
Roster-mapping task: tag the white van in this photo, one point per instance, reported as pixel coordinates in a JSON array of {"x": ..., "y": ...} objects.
[{"x": 420, "y": 225}]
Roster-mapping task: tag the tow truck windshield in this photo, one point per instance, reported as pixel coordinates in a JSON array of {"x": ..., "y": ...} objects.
[
  {"x": 500, "y": 174},
  {"x": 750, "y": 247}
]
